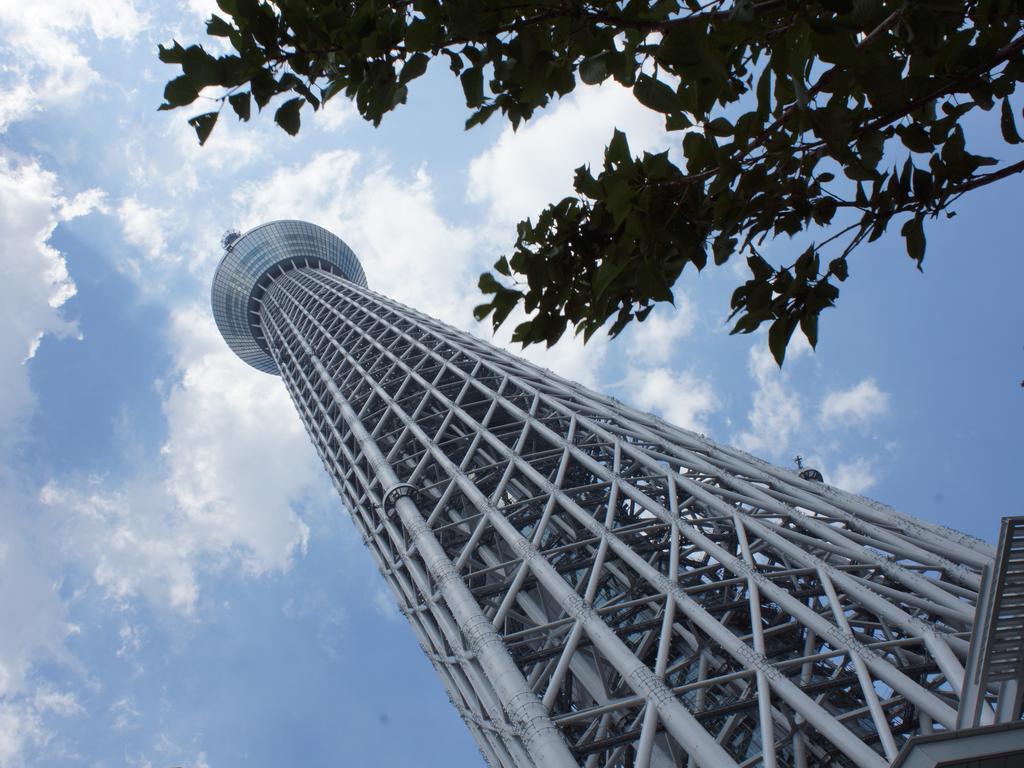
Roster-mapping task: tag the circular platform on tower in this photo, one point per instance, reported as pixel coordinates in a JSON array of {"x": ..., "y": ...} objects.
[{"x": 251, "y": 261}]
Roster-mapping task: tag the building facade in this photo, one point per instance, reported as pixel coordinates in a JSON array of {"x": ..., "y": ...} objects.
[{"x": 595, "y": 586}]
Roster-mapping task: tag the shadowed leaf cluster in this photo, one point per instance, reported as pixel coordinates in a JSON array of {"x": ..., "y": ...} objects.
[{"x": 826, "y": 120}]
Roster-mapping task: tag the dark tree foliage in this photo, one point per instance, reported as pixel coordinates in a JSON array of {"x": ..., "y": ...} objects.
[{"x": 826, "y": 120}]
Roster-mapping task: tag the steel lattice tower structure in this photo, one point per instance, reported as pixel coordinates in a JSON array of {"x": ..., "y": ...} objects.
[{"x": 597, "y": 587}]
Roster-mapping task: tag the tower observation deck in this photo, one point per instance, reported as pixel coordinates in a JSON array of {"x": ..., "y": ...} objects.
[{"x": 597, "y": 587}]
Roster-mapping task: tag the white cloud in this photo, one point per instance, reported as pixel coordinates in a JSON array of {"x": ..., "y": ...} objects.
[
  {"x": 131, "y": 640},
  {"x": 204, "y": 8},
  {"x": 167, "y": 751},
  {"x": 383, "y": 603},
  {"x": 124, "y": 712},
  {"x": 776, "y": 415},
  {"x": 22, "y": 721},
  {"x": 855, "y": 476},
  {"x": 529, "y": 168},
  {"x": 656, "y": 338},
  {"x": 166, "y": 161},
  {"x": 857, "y": 405},
  {"x": 36, "y": 286},
  {"x": 40, "y": 43},
  {"x": 31, "y": 613},
  {"x": 408, "y": 250},
  {"x": 36, "y": 282},
  {"x": 125, "y": 537},
  {"x": 20, "y": 725},
  {"x": 234, "y": 468},
  {"x": 682, "y": 399},
  {"x": 47, "y": 700},
  {"x": 146, "y": 228},
  {"x": 335, "y": 113},
  {"x": 230, "y": 147},
  {"x": 238, "y": 456},
  {"x": 778, "y": 429}
]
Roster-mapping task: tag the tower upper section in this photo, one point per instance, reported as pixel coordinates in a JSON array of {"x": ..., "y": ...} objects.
[{"x": 250, "y": 264}]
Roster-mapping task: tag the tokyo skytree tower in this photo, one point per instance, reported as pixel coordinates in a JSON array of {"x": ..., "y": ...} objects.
[{"x": 597, "y": 587}]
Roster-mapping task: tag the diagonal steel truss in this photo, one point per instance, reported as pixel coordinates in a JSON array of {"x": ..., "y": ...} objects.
[{"x": 597, "y": 587}]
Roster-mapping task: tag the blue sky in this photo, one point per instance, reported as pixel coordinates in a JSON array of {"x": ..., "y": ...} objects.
[{"x": 178, "y": 583}]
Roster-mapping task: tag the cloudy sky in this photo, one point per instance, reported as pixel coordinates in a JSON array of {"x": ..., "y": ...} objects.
[{"x": 178, "y": 583}]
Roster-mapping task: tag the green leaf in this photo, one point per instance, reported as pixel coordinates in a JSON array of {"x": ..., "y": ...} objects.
[
  {"x": 290, "y": 82},
  {"x": 857, "y": 171},
  {"x": 594, "y": 69},
  {"x": 606, "y": 275},
  {"x": 287, "y": 115},
  {"x": 698, "y": 152},
  {"x": 585, "y": 183},
  {"x": 652, "y": 282},
  {"x": 263, "y": 86},
  {"x": 617, "y": 152},
  {"x": 217, "y": 27},
  {"x": 420, "y": 35},
  {"x": 1006, "y": 123},
  {"x": 655, "y": 95},
  {"x": 179, "y": 92},
  {"x": 824, "y": 209},
  {"x": 454, "y": 61},
  {"x": 913, "y": 231},
  {"x": 922, "y": 183},
  {"x": 680, "y": 47},
  {"x": 202, "y": 67},
  {"x": 480, "y": 116},
  {"x": 719, "y": 127},
  {"x": 488, "y": 284},
  {"x": 723, "y": 247},
  {"x": 414, "y": 66},
  {"x": 870, "y": 146},
  {"x": 242, "y": 104},
  {"x": 753, "y": 170},
  {"x": 764, "y": 98},
  {"x": 173, "y": 55},
  {"x": 915, "y": 138},
  {"x": 618, "y": 198},
  {"x": 809, "y": 325},
  {"x": 759, "y": 268},
  {"x": 779, "y": 334},
  {"x": 677, "y": 122},
  {"x": 473, "y": 86},
  {"x": 502, "y": 303},
  {"x": 203, "y": 124},
  {"x": 839, "y": 268}
]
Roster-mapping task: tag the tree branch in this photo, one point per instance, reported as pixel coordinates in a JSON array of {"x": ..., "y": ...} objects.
[
  {"x": 987, "y": 178},
  {"x": 1001, "y": 56}
]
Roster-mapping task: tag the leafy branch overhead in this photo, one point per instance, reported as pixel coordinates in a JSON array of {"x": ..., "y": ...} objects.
[{"x": 827, "y": 120}]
